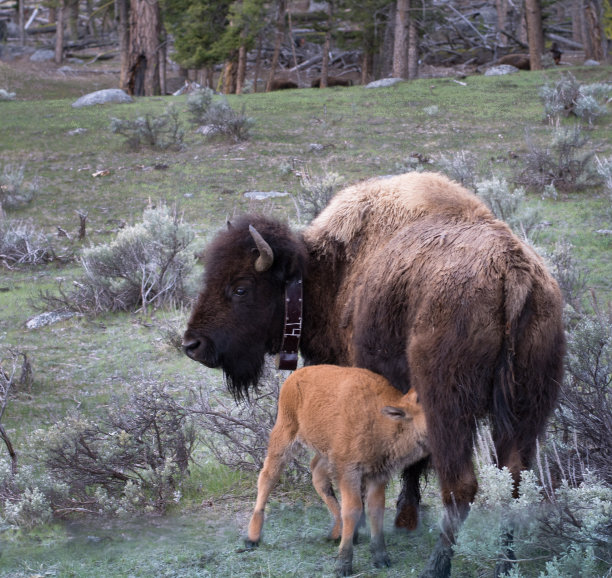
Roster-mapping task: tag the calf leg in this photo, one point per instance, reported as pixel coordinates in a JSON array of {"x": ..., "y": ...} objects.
[
  {"x": 376, "y": 511},
  {"x": 281, "y": 439},
  {"x": 322, "y": 483},
  {"x": 352, "y": 508}
]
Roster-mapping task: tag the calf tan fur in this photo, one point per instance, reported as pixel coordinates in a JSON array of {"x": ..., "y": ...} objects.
[{"x": 362, "y": 430}]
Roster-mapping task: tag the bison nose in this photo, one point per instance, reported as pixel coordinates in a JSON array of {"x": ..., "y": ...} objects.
[
  {"x": 191, "y": 348},
  {"x": 202, "y": 349}
]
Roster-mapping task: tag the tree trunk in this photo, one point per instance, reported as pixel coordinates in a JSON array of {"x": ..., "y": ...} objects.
[
  {"x": 280, "y": 33},
  {"x": 241, "y": 72},
  {"x": 72, "y": 7},
  {"x": 400, "y": 62},
  {"x": 326, "y": 47},
  {"x": 22, "y": 23},
  {"x": 533, "y": 14},
  {"x": 577, "y": 12},
  {"x": 385, "y": 66},
  {"x": 366, "y": 67},
  {"x": 229, "y": 75},
  {"x": 413, "y": 48},
  {"x": 502, "y": 14},
  {"x": 162, "y": 65},
  {"x": 124, "y": 41},
  {"x": 593, "y": 45},
  {"x": 59, "y": 34},
  {"x": 257, "y": 63},
  {"x": 145, "y": 30}
]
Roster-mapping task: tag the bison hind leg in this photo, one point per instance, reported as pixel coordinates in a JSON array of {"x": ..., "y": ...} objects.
[{"x": 408, "y": 502}]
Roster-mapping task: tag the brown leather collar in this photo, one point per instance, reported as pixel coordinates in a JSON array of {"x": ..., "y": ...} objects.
[{"x": 288, "y": 356}]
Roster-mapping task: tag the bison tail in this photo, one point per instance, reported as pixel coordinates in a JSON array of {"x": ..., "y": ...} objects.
[
  {"x": 518, "y": 286},
  {"x": 530, "y": 363}
]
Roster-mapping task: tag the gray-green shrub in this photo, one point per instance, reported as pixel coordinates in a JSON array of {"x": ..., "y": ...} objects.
[
  {"x": 14, "y": 190},
  {"x": 567, "y": 96},
  {"x": 237, "y": 433},
  {"x": 552, "y": 532},
  {"x": 565, "y": 162},
  {"x": 460, "y": 166},
  {"x": 508, "y": 204},
  {"x": 146, "y": 265},
  {"x": 583, "y": 421},
  {"x": 198, "y": 103},
  {"x": 160, "y": 132},
  {"x": 315, "y": 193},
  {"x": 134, "y": 456},
  {"x": 221, "y": 119},
  {"x": 22, "y": 244}
]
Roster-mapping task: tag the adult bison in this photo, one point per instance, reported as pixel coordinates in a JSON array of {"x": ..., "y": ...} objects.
[{"x": 411, "y": 277}]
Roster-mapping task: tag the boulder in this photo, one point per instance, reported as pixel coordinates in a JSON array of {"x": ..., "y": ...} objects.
[
  {"x": 42, "y": 55},
  {"x": 109, "y": 95},
  {"x": 501, "y": 70},
  {"x": 383, "y": 82}
]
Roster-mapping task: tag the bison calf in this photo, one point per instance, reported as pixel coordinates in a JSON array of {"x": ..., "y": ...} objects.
[{"x": 362, "y": 429}]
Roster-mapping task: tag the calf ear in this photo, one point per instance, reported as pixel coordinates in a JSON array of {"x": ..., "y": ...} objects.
[{"x": 395, "y": 413}]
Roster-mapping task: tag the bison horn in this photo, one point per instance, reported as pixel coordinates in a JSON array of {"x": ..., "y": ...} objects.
[{"x": 266, "y": 255}]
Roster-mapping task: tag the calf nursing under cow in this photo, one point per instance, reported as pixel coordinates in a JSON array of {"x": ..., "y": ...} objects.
[
  {"x": 413, "y": 278},
  {"x": 362, "y": 430}
]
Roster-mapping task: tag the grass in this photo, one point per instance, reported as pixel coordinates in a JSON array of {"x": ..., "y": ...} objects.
[{"x": 82, "y": 361}]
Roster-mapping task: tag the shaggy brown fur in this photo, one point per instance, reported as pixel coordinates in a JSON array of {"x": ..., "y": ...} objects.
[
  {"x": 413, "y": 278},
  {"x": 283, "y": 84},
  {"x": 521, "y": 61},
  {"x": 332, "y": 81},
  {"x": 362, "y": 429}
]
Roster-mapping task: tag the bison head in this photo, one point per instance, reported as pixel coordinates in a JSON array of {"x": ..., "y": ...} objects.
[{"x": 239, "y": 314}]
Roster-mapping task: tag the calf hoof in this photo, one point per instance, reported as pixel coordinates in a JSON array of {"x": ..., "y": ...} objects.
[
  {"x": 334, "y": 535},
  {"x": 381, "y": 560},
  {"x": 250, "y": 544},
  {"x": 344, "y": 568}
]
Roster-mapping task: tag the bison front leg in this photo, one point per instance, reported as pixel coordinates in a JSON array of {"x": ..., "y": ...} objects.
[
  {"x": 376, "y": 510},
  {"x": 352, "y": 508}
]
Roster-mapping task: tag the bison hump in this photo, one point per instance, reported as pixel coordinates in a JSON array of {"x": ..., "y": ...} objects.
[{"x": 377, "y": 208}]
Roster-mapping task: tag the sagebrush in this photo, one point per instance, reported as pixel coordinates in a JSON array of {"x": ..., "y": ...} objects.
[
  {"x": 21, "y": 243},
  {"x": 566, "y": 162},
  {"x": 146, "y": 265},
  {"x": 163, "y": 131}
]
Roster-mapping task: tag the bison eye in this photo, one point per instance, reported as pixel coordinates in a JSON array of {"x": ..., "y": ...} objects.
[{"x": 240, "y": 291}]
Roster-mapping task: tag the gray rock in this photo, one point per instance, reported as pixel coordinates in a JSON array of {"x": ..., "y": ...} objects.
[
  {"x": 383, "y": 82},
  {"x": 501, "y": 69},
  {"x": 109, "y": 95},
  {"x": 42, "y": 55},
  {"x": 592, "y": 63},
  {"x": 48, "y": 318},
  {"x": 6, "y": 95},
  {"x": 262, "y": 195}
]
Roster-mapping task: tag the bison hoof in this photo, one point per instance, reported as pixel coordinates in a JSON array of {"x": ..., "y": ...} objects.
[
  {"x": 250, "y": 544},
  {"x": 407, "y": 518}
]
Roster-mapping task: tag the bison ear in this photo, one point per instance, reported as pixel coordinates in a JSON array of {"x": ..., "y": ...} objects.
[
  {"x": 228, "y": 223},
  {"x": 395, "y": 413}
]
